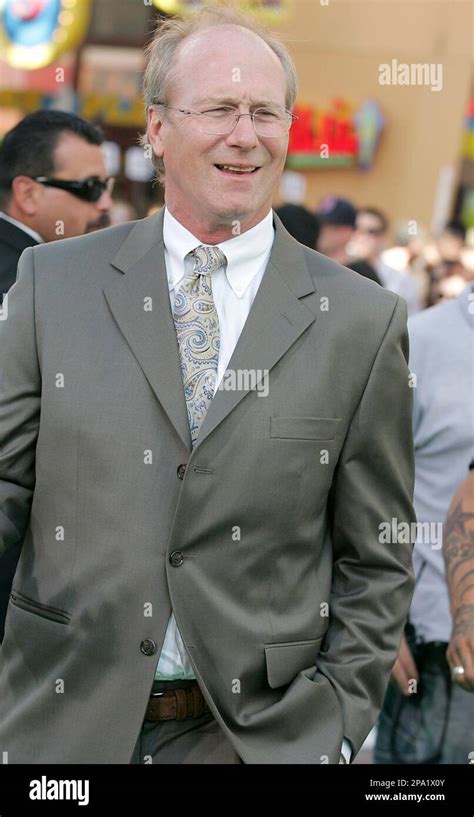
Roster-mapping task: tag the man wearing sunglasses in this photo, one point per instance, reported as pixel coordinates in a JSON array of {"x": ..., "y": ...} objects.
[
  {"x": 369, "y": 242},
  {"x": 53, "y": 185}
]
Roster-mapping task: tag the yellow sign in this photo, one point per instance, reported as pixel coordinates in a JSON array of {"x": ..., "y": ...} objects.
[
  {"x": 113, "y": 110},
  {"x": 108, "y": 108},
  {"x": 25, "y": 101},
  {"x": 180, "y": 7},
  {"x": 33, "y": 33},
  {"x": 272, "y": 10}
]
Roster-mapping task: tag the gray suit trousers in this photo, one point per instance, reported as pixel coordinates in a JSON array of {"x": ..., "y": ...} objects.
[{"x": 195, "y": 740}]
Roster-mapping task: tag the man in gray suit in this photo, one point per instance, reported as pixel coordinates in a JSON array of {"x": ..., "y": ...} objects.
[
  {"x": 72, "y": 198},
  {"x": 204, "y": 428}
]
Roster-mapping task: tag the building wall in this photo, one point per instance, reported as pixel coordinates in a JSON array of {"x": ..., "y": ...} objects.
[{"x": 338, "y": 48}]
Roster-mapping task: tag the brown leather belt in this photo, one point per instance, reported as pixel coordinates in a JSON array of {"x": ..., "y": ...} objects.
[{"x": 175, "y": 700}]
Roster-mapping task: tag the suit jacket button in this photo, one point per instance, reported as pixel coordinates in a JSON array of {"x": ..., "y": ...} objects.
[
  {"x": 176, "y": 558},
  {"x": 148, "y": 646},
  {"x": 181, "y": 471}
]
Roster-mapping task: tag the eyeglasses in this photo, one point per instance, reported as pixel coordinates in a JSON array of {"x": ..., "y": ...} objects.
[
  {"x": 90, "y": 189},
  {"x": 221, "y": 121}
]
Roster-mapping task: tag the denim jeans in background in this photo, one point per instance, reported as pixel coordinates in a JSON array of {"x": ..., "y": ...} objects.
[{"x": 418, "y": 737}]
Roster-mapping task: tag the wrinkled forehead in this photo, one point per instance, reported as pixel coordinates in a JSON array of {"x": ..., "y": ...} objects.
[{"x": 225, "y": 62}]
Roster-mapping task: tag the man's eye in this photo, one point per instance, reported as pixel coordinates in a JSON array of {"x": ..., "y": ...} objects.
[
  {"x": 216, "y": 113},
  {"x": 263, "y": 113}
]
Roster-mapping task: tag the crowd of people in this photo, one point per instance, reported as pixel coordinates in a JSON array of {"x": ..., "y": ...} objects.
[{"x": 424, "y": 270}]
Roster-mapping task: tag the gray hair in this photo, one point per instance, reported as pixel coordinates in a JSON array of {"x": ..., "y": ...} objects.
[{"x": 160, "y": 72}]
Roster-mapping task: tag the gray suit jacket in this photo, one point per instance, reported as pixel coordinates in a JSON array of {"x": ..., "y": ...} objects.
[{"x": 268, "y": 551}]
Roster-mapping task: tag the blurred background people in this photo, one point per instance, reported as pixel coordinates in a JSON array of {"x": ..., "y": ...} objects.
[
  {"x": 451, "y": 241},
  {"x": 448, "y": 270},
  {"x": 448, "y": 279},
  {"x": 337, "y": 217},
  {"x": 369, "y": 241},
  {"x": 53, "y": 185},
  {"x": 407, "y": 255},
  {"x": 433, "y": 720},
  {"x": 122, "y": 212},
  {"x": 301, "y": 223},
  {"x": 364, "y": 268}
]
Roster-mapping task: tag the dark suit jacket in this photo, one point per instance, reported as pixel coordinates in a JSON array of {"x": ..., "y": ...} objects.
[
  {"x": 292, "y": 627},
  {"x": 12, "y": 243}
]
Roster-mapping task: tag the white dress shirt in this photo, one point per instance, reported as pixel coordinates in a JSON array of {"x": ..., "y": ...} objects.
[{"x": 234, "y": 289}]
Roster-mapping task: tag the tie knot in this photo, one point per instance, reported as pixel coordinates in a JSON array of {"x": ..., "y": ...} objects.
[{"x": 207, "y": 259}]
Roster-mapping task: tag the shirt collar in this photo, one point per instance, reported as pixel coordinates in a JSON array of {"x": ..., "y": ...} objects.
[
  {"x": 23, "y": 227},
  {"x": 245, "y": 253}
]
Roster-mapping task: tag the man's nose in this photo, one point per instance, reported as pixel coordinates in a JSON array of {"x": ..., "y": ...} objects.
[
  {"x": 244, "y": 134},
  {"x": 104, "y": 204}
]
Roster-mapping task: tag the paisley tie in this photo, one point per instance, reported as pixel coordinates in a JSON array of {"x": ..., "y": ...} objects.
[{"x": 197, "y": 330}]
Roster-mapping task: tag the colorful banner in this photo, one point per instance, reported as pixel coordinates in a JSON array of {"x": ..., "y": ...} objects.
[
  {"x": 271, "y": 10},
  {"x": 33, "y": 33},
  {"x": 468, "y": 133},
  {"x": 336, "y": 136}
]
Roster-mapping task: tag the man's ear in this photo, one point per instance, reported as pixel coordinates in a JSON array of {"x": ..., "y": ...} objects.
[
  {"x": 26, "y": 195},
  {"x": 154, "y": 126}
]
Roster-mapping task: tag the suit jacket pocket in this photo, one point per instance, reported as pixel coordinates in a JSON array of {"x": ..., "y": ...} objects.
[
  {"x": 286, "y": 659},
  {"x": 304, "y": 428},
  {"x": 38, "y": 609}
]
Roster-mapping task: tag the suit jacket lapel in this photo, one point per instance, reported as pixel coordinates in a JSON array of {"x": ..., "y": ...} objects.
[
  {"x": 276, "y": 320},
  {"x": 140, "y": 304}
]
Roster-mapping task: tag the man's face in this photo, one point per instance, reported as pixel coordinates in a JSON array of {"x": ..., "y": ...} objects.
[
  {"x": 369, "y": 239},
  {"x": 334, "y": 238},
  {"x": 449, "y": 246},
  {"x": 224, "y": 66},
  {"x": 60, "y": 214}
]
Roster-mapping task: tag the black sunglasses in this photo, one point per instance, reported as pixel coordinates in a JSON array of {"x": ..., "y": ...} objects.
[{"x": 90, "y": 189}]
